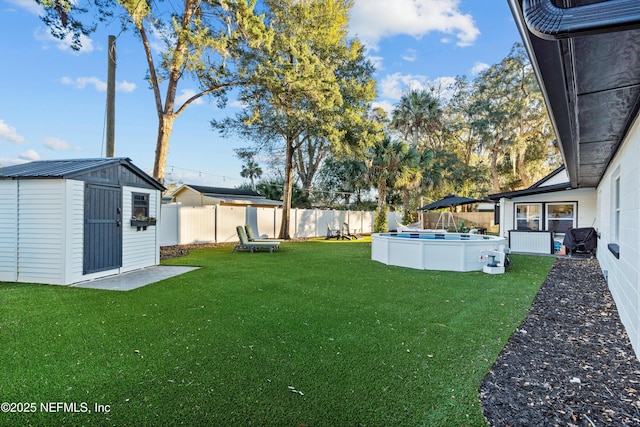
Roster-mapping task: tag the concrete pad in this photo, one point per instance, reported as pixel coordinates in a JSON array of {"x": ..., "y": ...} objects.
[{"x": 135, "y": 279}]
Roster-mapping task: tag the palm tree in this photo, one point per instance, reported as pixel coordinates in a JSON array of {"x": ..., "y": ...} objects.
[
  {"x": 252, "y": 171},
  {"x": 384, "y": 169},
  {"x": 417, "y": 114},
  {"x": 409, "y": 178}
]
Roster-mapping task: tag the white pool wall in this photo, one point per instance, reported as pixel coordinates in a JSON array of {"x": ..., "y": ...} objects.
[{"x": 433, "y": 254}]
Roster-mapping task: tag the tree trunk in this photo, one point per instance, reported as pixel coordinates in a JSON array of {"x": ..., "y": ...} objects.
[
  {"x": 522, "y": 171},
  {"x": 288, "y": 188},
  {"x": 382, "y": 194},
  {"x": 165, "y": 127},
  {"x": 495, "y": 178}
]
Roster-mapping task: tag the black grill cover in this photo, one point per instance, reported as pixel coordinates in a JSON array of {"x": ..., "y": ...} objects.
[{"x": 581, "y": 239}]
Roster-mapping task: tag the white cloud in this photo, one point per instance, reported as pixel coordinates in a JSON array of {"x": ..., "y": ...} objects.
[
  {"x": 385, "y": 105},
  {"x": 44, "y": 35},
  {"x": 410, "y": 55},
  {"x": 58, "y": 144},
  {"x": 28, "y": 5},
  {"x": 479, "y": 67},
  {"x": 125, "y": 86},
  {"x": 373, "y": 20},
  {"x": 237, "y": 104},
  {"x": 29, "y": 155},
  {"x": 394, "y": 85},
  {"x": 158, "y": 38},
  {"x": 376, "y": 61},
  {"x": 9, "y": 133},
  {"x": 99, "y": 85},
  {"x": 7, "y": 161},
  {"x": 82, "y": 82},
  {"x": 185, "y": 95}
]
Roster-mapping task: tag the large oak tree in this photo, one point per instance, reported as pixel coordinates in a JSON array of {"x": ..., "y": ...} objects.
[
  {"x": 202, "y": 40},
  {"x": 304, "y": 89}
]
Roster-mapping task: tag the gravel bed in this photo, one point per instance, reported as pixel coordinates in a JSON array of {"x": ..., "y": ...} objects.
[{"x": 570, "y": 363}]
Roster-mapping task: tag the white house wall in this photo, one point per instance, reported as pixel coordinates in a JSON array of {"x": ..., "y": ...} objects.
[
  {"x": 623, "y": 274},
  {"x": 585, "y": 197},
  {"x": 8, "y": 230},
  {"x": 559, "y": 178}
]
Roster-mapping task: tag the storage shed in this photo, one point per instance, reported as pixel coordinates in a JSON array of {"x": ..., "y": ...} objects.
[{"x": 68, "y": 221}]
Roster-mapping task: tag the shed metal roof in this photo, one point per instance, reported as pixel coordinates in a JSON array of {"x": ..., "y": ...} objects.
[{"x": 70, "y": 168}]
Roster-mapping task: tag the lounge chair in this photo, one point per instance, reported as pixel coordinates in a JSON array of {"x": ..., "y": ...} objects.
[
  {"x": 252, "y": 236},
  {"x": 332, "y": 232},
  {"x": 346, "y": 232},
  {"x": 245, "y": 245}
]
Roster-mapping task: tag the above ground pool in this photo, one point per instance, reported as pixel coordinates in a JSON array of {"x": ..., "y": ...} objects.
[{"x": 434, "y": 251}]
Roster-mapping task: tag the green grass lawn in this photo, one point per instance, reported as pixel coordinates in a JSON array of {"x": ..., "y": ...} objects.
[{"x": 315, "y": 334}]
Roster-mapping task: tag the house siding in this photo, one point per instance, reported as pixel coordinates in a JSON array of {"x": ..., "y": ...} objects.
[
  {"x": 623, "y": 274},
  {"x": 586, "y": 199},
  {"x": 190, "y": 197},
  {"x": 8, "y": 230},
  {"x": 559, "y": 178}
]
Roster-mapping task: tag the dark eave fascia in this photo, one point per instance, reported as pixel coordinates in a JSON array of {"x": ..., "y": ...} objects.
[
  {"x": 547, "y": 21},
  {"x": 530, "y": 191}
]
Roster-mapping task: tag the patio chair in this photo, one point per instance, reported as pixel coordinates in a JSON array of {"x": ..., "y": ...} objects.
[
  {"x": 332, "y": 233},
  {"x": 245, "y": 245},
  {"x": 252, "y": 236},
  {"x": 346, "y": 232}
]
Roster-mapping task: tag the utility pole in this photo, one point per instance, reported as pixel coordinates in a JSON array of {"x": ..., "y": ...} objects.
[{"x": 111, "y": 97}]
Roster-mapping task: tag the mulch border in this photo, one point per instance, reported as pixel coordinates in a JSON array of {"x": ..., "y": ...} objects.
[{"x": 570, "y": 363}]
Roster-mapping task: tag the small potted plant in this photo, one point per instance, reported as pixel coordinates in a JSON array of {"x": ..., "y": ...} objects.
[{"x": 142, "y": 222}]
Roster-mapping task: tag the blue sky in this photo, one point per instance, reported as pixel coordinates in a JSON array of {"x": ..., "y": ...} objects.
[{"x": 52, "y": 103}]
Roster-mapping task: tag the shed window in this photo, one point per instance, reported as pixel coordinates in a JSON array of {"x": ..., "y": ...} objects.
[
  {"x": 140, "y": 205},
  {"x": 561, "y": 217},
  {"x": 528, "y": 216}
]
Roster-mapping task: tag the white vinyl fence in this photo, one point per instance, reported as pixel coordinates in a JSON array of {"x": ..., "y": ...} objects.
[{"x": 183, "y": 225}]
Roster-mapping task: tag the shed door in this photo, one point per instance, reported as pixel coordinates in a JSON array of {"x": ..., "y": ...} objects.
[{"x": 102, "y": 228}]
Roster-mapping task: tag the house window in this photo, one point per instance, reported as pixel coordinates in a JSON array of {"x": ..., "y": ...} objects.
[
  {"x": 528, "y": 216},
  {"x": 140, "y": 205},
  {"x": 560, "y": 217}
]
